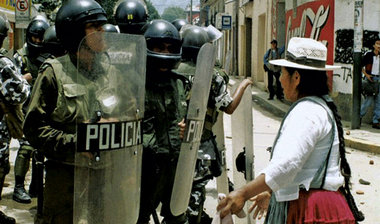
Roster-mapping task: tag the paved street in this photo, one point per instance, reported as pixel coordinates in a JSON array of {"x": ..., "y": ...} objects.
[{"x": 265, "y": 128}]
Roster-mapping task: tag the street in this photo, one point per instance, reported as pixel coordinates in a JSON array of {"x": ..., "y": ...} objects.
[{"x": 265, "y": 129}]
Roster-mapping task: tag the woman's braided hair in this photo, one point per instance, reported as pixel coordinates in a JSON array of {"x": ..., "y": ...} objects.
[{"x": 314, "y": 83}]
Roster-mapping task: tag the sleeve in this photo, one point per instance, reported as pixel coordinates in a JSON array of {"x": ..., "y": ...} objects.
[
  {"x": 17, "y": 58},
  {"x": 37, "y": 125},
  {"x": 266, "y": 57},
  {"x": 14, "y": 88},
  {"x": 219, "y": 89},
  {"x": 367, "y": 59},
  {"x": 299, "y": 135}
]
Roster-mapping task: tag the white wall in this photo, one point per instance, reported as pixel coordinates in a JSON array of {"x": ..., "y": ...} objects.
[{"x": 344, "y": 19}]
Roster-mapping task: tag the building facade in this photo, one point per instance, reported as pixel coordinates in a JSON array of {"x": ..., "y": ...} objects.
[{"x": 257, "y": 22}]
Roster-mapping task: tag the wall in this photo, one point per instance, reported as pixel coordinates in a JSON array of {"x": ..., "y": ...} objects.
[
  {"x": 261, "y": 37},
  {"x": 332, "y": 22}
]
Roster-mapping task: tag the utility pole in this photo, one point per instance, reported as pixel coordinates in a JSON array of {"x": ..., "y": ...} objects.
[
  {"x": 235, "y": 38},
  {"x": 356, "y": 80},
  {"x": 191, "y": 12}
]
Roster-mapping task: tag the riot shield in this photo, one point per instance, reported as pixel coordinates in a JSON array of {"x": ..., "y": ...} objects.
[
  {"x": 242, "y": 139},
  {"x": 110, "y": 84},
  {"x": 194, "y": 124}
]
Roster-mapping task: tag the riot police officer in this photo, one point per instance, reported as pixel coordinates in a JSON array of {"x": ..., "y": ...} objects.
[
  {"x": 51, "y": 45},
  {"x": 179, "y": 23},
  {"x": 131, "y": 16},
  {"x": 28, "y": 59},
  {"x": 110, "y": 28},
  {"x": 209, "y": 161},
  {"x": 52, "y": 115},
  {"x": 165, "y": 108},
  {"x": 14, "y": 91}
]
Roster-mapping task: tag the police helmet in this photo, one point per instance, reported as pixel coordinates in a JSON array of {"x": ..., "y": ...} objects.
[
  {"x": 72, "y": 18},
  {"x": 3, "y": 27},
  {"x": 35, "y": 29},
  {"x": 179, "y": 23},
  {"x": 51, "y": 43},
  {"x": 158, "y": 33},
  {"x": 131, "y": 16},
  {"x": 193, "y": 39},
  {"x": 110, "y": 28},
  {"x": 40, "y": 17}
]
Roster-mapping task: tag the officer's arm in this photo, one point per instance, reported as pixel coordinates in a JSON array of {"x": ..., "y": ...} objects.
[
  {"x": 13, "y": 86},
  {"x": 236, "y": 97},
  {"x": 37, "y": 128}
]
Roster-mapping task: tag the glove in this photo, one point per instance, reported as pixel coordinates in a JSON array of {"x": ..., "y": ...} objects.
[{"x": 14, "y": 118}]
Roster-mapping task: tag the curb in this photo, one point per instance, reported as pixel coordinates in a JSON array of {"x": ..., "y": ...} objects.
[{"x": 361, "y": 145}]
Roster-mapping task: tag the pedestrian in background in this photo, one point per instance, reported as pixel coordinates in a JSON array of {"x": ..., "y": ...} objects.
[
  {"x": 371, "y": 70},
  {"x": 273, "y": 71},
  {"x": 308, "y": 176}
]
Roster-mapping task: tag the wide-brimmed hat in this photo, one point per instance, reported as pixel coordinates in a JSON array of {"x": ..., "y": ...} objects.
[{"x": 305, "y": 53}]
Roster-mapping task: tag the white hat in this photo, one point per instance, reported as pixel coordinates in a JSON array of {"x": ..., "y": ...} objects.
[{"x": 305, "y": 53}]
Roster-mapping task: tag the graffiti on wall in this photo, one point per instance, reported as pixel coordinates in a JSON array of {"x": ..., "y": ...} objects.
[
  {"x": 342, "y": 79},
  {"x": 317, "y": 22},
  {"x": 345, "y": 44}
]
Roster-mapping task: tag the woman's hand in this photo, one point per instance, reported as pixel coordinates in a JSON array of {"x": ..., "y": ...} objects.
[
  {"x": 260, "y": 204},
  {"x": 233, "y": 203}
]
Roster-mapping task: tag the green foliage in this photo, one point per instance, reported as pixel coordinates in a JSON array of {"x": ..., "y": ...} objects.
[
  {"x": 152, "y": 11},
  {"x": 49, "y": 7},
  {"x": 173, "y": 13},
  {"x": 108, "y": 6}
]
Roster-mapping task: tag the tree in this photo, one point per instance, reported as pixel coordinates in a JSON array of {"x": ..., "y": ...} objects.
[
  {"x": 108, "y": 6},
  {"x": 49, "y": 7},
  {"x": 152, "y": 11},
  {"x": 173, "y": 13}
]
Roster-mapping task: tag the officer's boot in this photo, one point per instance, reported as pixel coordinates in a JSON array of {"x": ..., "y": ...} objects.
[
  {"x": 21, "y": 168},
  {"x": 4, "y": 219},
  {"x": 19, "y": 192},
  {"x": 33, "y": 183}
]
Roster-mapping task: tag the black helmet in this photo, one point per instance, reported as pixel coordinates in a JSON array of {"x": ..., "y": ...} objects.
[
  {"x": 36, "y": 28},
  {"x": 3, "y": 27},
  {"x": 40, "y": 17},
  {"x": 131, "y": 16},
  {"x": 179, "y": 23},
  {"x": 51, "y": 43},
  {"x": 72, "y": 18},
  {"x": 110, "y": 28},
  {"x": 193, "y": 39},
  {"x": 156, "y": 33}
]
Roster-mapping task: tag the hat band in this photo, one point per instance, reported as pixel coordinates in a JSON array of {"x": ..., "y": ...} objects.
[{"x": 305, "y": 61}]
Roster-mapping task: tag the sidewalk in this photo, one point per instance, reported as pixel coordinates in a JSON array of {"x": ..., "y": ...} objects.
[{"x": 366, "y": 138}]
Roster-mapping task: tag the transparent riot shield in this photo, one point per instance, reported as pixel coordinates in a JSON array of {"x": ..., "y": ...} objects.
[
  {"x": 194, "y": 125},
  {"x": 110, "y": 86}
]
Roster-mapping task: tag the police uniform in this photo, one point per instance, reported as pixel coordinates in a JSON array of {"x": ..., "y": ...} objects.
[
  {"x": 60, "y": 100},
  {"x": 14, "y": 91},
  {"x": 165, "y": 107},
  {"x": 219, "y": 99},
  {"x": 26, "y": 64}
]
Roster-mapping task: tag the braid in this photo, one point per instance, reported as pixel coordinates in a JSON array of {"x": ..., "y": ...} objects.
[
  {"x": 344, "y": 166},
  {"x": 314, "y": 83}
]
